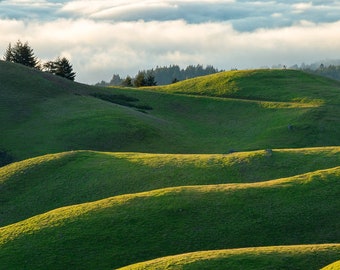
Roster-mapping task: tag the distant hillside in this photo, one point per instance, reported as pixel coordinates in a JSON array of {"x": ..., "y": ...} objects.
[{"x": 262, "y": 85}]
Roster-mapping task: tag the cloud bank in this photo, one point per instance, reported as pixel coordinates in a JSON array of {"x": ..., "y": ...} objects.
[{"x": 105, "y": 37}]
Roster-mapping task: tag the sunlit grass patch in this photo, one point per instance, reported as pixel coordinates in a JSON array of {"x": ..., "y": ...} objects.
[
  {"x": 279, "y": 257},
  {"x": 131, "y": 228},
  {"x": 41, "y": 184}
]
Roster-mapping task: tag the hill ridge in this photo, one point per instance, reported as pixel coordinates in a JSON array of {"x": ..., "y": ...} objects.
[
  {"x": 289, "y": 206},
  {"x": 254, "y": 85},
  {"x": 228, "y": 256}
]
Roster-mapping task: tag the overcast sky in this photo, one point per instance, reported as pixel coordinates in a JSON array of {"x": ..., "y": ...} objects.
[{"x": 102, "y": 37}]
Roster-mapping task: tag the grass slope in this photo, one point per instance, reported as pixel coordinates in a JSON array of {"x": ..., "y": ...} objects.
[
  {"x": 241, "y": 110},
  {"x": 311, "y": 257},
  {"x": 127, "y": 229},
  {"x": 37, "y": 185},
  {"x": 43, "y": 114},
  {"x": 251, "y": 109},
  {"x": 266, "y": 85}
]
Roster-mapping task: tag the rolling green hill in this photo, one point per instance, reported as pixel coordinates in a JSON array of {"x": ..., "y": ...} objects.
[
  {"x": 239, "y": 169},
  {"x": 266, "y": 85},
  {"x": 37, "y": 185},
  {"x": 284, "y": 257},
  {"x": 127, "y": 229},
  {"x": 42, "y": 114}
]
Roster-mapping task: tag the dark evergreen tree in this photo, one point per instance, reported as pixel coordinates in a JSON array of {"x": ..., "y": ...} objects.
[
  {"x": 150, "y": 80},
  {"x": 9, "y": 54},
  {"x": 127, "y": 82},
  {"x": 64, "y": 69},
  {"x": 50, "y": 67},
  {"x": 140, "y": 80},
  {"x": 60, "y": 67},
  {"x": 23, "y": 54}
]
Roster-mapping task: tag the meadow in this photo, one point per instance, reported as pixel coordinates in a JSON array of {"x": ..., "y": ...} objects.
[{"x": 235, "y": 170}]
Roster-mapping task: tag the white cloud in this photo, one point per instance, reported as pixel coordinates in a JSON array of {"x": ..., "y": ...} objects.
[
  {"x": 99, "y": 49},
  {"x": 123, "y": 36}
]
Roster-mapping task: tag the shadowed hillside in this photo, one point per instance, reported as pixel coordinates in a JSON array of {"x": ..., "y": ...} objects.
[{"x": 51, "y": 114}]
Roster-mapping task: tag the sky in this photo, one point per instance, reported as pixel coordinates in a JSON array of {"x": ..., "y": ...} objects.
[{"x": 103, "y": 37}]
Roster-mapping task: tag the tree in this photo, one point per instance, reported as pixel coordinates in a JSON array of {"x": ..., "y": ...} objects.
[
  {"x": 64, "y": 69},
  {"x": 127, "y": 82},
  {"x": 21, "y": 53},
  {"x": 50, "y": 67},
  {"x": 8, "y": 54},
  {"x": 116, "y": 80},
  {"x": 150, "y": 80},
  {"x": 140, "y": 80},
  {"x": 60, "y": 67}
]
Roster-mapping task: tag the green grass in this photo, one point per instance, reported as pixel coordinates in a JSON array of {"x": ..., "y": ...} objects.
[
  {"x": 281, "y": 257},
  {"x": 266, "y": 85},
  {"x": 101, "y": 185},
  {"x": 127, "y": 229},
  {"x": 42, "y": 114},
  {"x": 37, "y": 185}
]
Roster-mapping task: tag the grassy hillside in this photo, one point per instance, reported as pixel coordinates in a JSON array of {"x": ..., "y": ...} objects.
[
  {"x": 37, "y": 185},
  {"x": 282, "y": 257},
  {"x": 127, "y": 229},
  {"x": 266, "y": 85},
  {"x": 43, "y": 114},
  {"x": 251, "y": 109},
  {"x": 110, "y": 177}
]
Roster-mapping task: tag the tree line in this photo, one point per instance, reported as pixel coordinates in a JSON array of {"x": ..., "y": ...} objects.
[
  {"x": 327, "y": 68},
  {"x": 160, "y": 76},
  {"x": 22, "y": 53},
  {"x": 330, "y": 71}
]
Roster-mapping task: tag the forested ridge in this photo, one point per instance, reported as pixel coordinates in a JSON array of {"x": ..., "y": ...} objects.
[{"x": 161, "y": 75}]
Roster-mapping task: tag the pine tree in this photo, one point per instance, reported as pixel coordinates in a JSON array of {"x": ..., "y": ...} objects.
[
  {"x": 8, "y": 54},
  {"x": 60, "y": 67},
  {"x": 127, "y": 82},
  {"x": 140, "y": 80},
  {"x": 150, "y": 80},
  {"x": 64, "y": 69},
  {"x": 23, "y": 54},
  {"x": 50, "y": 67}
]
